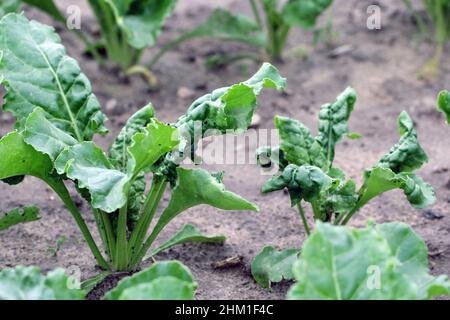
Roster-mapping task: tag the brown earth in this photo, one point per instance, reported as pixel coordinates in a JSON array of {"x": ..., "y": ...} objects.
[{"x": 382, "y": 68}]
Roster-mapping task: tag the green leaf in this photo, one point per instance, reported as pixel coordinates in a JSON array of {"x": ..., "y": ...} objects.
[
  {"x": 341, "y": 263},
  {"x": 225, "y": 109},
  {"x": 27, "y": 283},
  {"x": 407, "y": 155},
  {"x": 7, "y": 6},
  {"x": 304, "y": 13},
  {"x": 90, "y": 283},
  {"x": 118, "y": 153},
  {"x": 271, "y": 265},
  {"x": 141, "y": 21},
  {"x": 341, "y": 199},
  {"x": 305, "y": 182},
  {"x": 195, "y": 187},
  {"x": 412, "y": 252},
  {"x": 298, "y": 145},
  {"x": 109, "y": 187},
  {"x": 56, "y": 85},
  {"x": 189, "y": 233},
  {"x": 158, "y": 271},
  {"x": 44, "y": 136},
  {"x": 380, "y": 180},
  {"x": 86, "y": 163},
  {"x": 14, "y": 217},
  {"x": 333, "y": 122},
  {"x": 163, "y": 288},
  {"x": 224, "y": 25},
  {"x": 148, "y": 146},
  {"x": 444, "y": 104},
  {"x": 20, "y": 159}
]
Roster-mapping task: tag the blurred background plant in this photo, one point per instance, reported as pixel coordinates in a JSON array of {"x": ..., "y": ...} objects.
[
  {"x": 435, "y": 25},
  {"x": 267, "y": 31}
]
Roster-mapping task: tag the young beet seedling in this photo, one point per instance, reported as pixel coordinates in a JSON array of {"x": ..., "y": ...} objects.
[
  {"x": 269, "y": 33},
  {"x": 57, "y": 116},
  {"x": 127, "y": 28},
  {"x": 307, "y": 172}
]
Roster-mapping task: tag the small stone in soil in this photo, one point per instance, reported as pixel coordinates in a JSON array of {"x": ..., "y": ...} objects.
[
  {"x": 185, "y": 93},
  {"x": 448, "y": 184},
  {"x": 228, "y": 263},
  {"x": 431, "y": 214}
]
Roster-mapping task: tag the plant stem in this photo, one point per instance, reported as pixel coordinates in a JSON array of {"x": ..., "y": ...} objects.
[
  {"x": 63, "y": 193},
  {"x": 110, "y": 237},
  {"x": 256, "y": 13},
  {"x": 101, "y": 230},
  {"x": 167, "y": 47},
  {"x": 303, "y": 217},
  {"x": 148, "y": 212},
  {"x": 347, "y": 217},
  {"x": 149, "y": 77},
  {"x": 424, "y": 30},
  {"x": 121, "y": 260}
]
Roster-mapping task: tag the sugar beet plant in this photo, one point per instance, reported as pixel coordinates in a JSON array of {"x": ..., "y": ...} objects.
[
  {"x": 126, "y": 27},
  {"x": 57, "y": 116},
  {"x": 381, "y": 262},
  {"x": 438, "y": 12},
  {"x": 308, "y": 174},
  {"x": 268, "y": 30},
  {"x": 162, "y": 281}
]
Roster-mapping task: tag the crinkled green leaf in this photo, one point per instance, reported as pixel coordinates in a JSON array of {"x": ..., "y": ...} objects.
[
  {"x": 27, "y": 283},
  {"x": 7, "y": 6},
  {"x": 380, "y": 180},
  {"x": 340, "y": 199},
  {"x": 189, "y": 233},
  {"x": 444, "y": 104},
  {"x": 267, "y": 156},
  {"x": 118, "y": 152},
  {"x": 172, "y": 269},
  {"x": 304, "y": 13},
  {"x": 271, "y": 265},
  {"x": 305, "y": 182},
  {"x": 87, "y": 164},
  {"x": 341, "y": 263},
  {"x": 15, "y": 216},
  {"x": 225, "y": 109},
  {"x": 141, "y": 21},
  {"x": 333, "y": 122},
  {"x": 44, "y": 136},
  {"x": 195, "y": 187},
  {"x": 407, "y": 155},
  {"x": 224, "y": 25},
  {"x": 298, "y": 145},
  {"x": 37, "y": 72},
  {"x": 149, "y": 145},
  {"x": 119, "y": 155}
]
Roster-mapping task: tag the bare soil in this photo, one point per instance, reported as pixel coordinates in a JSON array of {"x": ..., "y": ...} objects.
[{"x": 381, "y": 66}]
